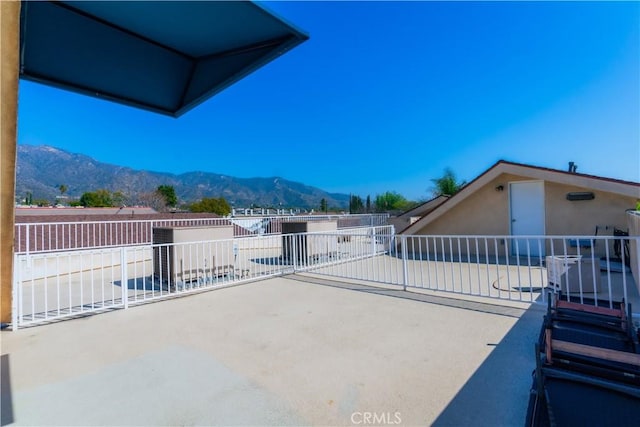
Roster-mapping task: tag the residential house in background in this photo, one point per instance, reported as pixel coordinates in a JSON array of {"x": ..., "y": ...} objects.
[
  {"x": 512, "y": 199},
  {"x": 518, "y": 199}
]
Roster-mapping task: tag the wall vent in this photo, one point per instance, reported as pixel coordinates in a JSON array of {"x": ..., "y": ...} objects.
[{"x": 585, "y": 195}]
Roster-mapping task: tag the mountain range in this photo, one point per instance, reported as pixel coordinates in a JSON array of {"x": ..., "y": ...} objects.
[{"x": 41, "y": 169}]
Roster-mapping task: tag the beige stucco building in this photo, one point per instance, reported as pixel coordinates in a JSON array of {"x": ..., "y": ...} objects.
[{"x": 517, "y": 199}]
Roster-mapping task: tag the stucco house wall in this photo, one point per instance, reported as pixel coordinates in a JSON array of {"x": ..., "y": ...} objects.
[
  {"x": 486, "y": 211},
  {"x": 580, "y": 217}
]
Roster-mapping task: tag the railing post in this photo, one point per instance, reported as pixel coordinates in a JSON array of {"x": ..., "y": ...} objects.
[
  {"x": 390, "y": 239},
  {"x": 405, "y": 267},
  {"x": 124, "y": 283},
  {"x": 294, "y": 247},
  {"x": 15, "y": 293},
  {"x": 373, "y": 241},
  {"x": 27, "y": 240}
]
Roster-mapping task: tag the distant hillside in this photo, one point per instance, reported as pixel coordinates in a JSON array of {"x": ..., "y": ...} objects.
[{"x": 40, "y": 169}]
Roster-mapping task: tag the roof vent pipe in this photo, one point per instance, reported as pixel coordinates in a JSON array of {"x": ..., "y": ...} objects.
[{"x": 573, "y": 167}]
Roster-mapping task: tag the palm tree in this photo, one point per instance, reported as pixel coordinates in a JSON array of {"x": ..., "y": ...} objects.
[
  {"x": 447, "y": 185},
  {"x": 63, "y": 189}
]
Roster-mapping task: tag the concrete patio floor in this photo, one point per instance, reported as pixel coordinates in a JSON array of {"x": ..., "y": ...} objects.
[{"x": 295, "y": 350}]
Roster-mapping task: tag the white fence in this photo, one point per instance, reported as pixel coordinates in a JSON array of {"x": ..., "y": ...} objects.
[
  {"x": 524, "y": 268},
  {"x": 49, "y": 286},
  {"x": 53, "y": 285},
  {"x": 58, "y": 236}
]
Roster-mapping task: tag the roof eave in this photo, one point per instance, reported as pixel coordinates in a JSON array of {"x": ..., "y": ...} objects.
[{"x": 623, "y": 188}]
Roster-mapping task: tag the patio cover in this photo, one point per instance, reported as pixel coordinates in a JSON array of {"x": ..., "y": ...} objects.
[{"x": 162, "y": 56}]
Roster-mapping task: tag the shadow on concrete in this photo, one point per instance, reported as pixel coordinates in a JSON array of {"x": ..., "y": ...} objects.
[
  {"x": 497, "y": 394},
  {"x": 498, "y": 391},
  {"x": 140, "y": 284},
  {"x": 270, "y": 261},
  {"x": 6, "y": 403},
  {"x": 415, "y": 296}
]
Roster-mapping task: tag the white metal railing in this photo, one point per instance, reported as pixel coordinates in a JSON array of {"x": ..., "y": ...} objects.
[
  {"x": 523, "y": 268},
  {"x": 58, "y": 236},
  {"x": 54, "y": 285}
]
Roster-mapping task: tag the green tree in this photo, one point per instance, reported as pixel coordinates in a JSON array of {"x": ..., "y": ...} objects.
[
  {"x": 355, "y": 205},
  {"x": 168, "y": 193},
  {"x": 97, "y": 199},
  {"x": 214, "y": 205},
  {"x": 390, "y": 201},
  {"x": 323, "y": 205},
  {"x": 368, "y": 205},
  {"x": 63, "y": 189},
  {"x": 447, "y": 184}
]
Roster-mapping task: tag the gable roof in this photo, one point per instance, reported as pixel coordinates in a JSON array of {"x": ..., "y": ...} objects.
[
  {"x": 610, "y": 185},
  {"x": 424, "y": 208}
]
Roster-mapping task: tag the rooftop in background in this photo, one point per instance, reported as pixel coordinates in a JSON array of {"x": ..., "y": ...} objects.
[
  {"x": 573, "y": 173},
  {"x": 79, "y": 214},
  {"x": 75, "y": 211}
]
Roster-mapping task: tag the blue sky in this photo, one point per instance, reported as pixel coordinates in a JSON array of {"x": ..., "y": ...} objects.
[{"x": 385, "y": 95}]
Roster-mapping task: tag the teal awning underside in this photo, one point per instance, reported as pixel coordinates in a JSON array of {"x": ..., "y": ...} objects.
[{"x": 164, "y": 56}]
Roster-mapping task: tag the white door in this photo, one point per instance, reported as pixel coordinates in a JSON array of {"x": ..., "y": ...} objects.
[{"x": 527, "y": 217}]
